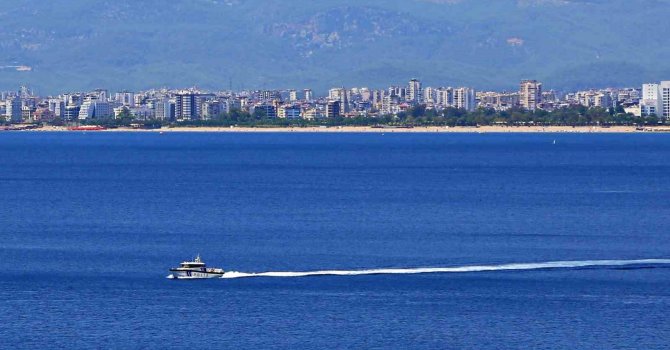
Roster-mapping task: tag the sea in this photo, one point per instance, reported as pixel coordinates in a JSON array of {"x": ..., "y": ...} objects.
[{"x": 335, "y": 240}]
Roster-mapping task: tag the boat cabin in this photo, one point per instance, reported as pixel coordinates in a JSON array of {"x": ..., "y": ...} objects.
[{"x": 197, "y": 263}]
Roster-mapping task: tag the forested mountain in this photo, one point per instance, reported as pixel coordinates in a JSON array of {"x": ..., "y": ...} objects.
[{"x": 488, "y": 44}]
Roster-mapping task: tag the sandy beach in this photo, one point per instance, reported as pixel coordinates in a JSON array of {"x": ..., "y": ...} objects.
[{"x": 367, "y": 129}]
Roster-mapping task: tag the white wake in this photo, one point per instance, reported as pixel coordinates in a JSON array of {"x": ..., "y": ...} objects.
[{"x": 458, "y": 269}]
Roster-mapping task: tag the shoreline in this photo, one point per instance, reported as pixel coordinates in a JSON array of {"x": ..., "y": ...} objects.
[{"x": 368, "y": 129}]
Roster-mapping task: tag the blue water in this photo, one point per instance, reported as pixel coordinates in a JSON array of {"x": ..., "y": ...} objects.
[{"x": 90, "y": 224}]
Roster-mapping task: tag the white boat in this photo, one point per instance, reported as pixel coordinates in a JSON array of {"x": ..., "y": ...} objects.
[{"x": 195, "y": 269}]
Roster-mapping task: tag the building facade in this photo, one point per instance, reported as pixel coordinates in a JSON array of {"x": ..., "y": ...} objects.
[
  {"x": 665, "y": 99},
  {"x": 292, "y": 95},
  {"x": 309, "y": 95},
  {"x": 125, "y": 98},
  {"x": 414, "y": 91},
  {"x": 94, "y": 109},
  {"x": 333, "y": 109},
  {"x": 651, "y": 102},
  {"x": 465, "y": 98},
  {"x": 530, "y": 94},
  {"x": 165, "y": 109},
  {"x": 13, "y": 109},
  {"x": 266, "y": 110},
  {"x": 189, "y": 105},
  {"x": 290, "y": 112}
]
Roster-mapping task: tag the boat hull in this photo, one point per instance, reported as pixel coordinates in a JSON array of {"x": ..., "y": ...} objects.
[{"x": 182, "y": 275}]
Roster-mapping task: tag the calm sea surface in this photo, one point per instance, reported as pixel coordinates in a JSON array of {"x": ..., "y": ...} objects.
[{"x": 90, "y": 224}]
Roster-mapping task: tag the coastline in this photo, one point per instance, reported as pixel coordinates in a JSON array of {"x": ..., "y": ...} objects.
[{"x": 368, "y": 129}]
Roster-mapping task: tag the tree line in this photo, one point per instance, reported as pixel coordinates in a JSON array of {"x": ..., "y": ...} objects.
[{"x": 421, "y": 116}]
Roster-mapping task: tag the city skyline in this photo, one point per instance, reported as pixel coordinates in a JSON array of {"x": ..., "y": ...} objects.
[{"x": 194, "y": 104}]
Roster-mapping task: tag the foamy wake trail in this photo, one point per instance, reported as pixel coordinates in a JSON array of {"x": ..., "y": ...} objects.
[{"x": 460, "y": 269}]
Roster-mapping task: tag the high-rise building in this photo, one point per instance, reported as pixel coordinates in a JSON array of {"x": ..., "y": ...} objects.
[
  {"x": 340, "y": 94},
  {"x": 139, "y": 99},
  {"x": 266, "y": 110},
  {"x": 165, "y": 109},
  {"x": 365, "y": 94},
  {"x": 188, "y": 105},
  {"x": 665, "y": 99},
  {"x": 377, "y": 96},
  {"x": 292, "y": 95},
  {"x": 126, "y": 98},
  {"x": 650, "y": 91},
  {"x": 92, "y": 109},
  {"x": 429, "y": 95},
  {"x": 333, "y": 109},
  {"x": 414, "y": 91},
  {"x": 392, "y": 91},
  {"x": 309, "y": 95},
  {"x": 225, "y": 105},
  {"x": 211, "y": 109},
  {"x": 444, "y": 97},
  {"x": 241, "y": 102},
  {"x": 465, "y": 98},
  {"x": 335, "y": 93},
  {"x": 57, "y": 107},
  {"x": 602, "y": 100},
  {"x": 13, "y": 109},
  {"x": 71, "y": 112},
  {"x": 344, "y": 102},
  {"x": 530, "y": 94}
]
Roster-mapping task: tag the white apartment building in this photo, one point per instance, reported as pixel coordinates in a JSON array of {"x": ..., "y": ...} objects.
[
  {"x": 656, "y": 99},
  {"x": 530, "y": 94},
  {"x": 95, "y": 109},
  {"x": 650, "y": 104},
  {"x": 429, "y": 95},
  {"x": 465, "y": 98},
  {"x": 414, "y": 91},
  {"x": 444, "y": 97},
  {"x": 164, "y": 109},
  {"x": 309, "y": 95}
]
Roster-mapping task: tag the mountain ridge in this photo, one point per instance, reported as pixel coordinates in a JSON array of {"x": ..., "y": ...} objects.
[{"x": 487, "y": 44}]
